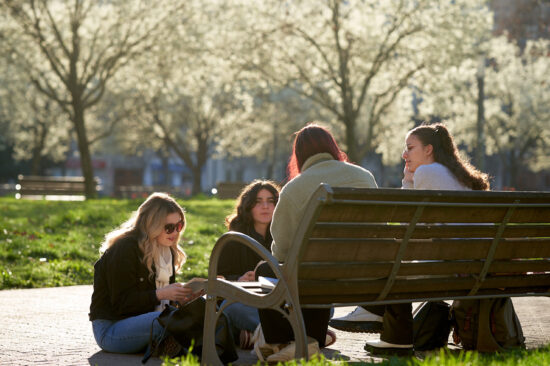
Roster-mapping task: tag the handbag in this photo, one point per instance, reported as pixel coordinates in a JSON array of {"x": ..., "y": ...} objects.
[
  {"x": 186, "y": 325},
  {"x": 487, "y": 325},
  {"x": 431, "y": 325}
]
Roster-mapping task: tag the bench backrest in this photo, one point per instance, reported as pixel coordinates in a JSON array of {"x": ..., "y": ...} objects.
[
  {"x": 43, "y": 185},
  {"x": 392, "y": 245}
]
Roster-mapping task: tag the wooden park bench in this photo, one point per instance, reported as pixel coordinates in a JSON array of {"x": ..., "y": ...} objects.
[
  {"x": 229, "y": 190},
  {"x": 62, "y": 188},
  {"x": 383, "y": 246}
]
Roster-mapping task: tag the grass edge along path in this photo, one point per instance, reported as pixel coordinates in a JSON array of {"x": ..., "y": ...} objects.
[{"x": 441, "y": 357}]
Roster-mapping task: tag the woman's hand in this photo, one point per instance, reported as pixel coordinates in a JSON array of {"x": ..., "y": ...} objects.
[
  {"x": 176, "y": 292},
  {"x": 408, "y": 175},
  {"x": 247, "y": 277}
]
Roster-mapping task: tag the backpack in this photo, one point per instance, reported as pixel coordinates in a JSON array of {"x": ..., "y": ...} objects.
[
  {"x": 431, "y": 325},
  {"x": 486, "y": 325}
]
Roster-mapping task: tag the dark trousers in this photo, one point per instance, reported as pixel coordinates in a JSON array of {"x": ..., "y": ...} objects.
[
  {"x": 278, "y": 330},
  {"x": 398, "y": 322}
]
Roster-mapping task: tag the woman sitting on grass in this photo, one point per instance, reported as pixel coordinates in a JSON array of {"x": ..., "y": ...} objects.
[
  {"x": 135, "y": 276},
  {"x": 251, "y": 216}
]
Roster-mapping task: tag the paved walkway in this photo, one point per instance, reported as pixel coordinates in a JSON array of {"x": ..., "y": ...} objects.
[{"x": 50, "y": 327}]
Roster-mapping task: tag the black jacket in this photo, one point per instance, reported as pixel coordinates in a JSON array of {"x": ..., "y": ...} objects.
[
  {"x": 122, "y": 285},
  {"x": 236, "y": 259}
]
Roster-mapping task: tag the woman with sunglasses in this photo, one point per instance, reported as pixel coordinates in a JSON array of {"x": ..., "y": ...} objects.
[
  {"x": 135, "y": 276},
  {"x": 251, "y": 216}
]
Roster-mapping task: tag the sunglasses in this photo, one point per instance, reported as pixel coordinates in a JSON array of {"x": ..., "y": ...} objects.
[{"x": 169, "y": 228}]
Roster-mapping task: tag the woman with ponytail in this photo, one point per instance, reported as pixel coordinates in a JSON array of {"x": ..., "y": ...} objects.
[{"x": 432, "y": 161}]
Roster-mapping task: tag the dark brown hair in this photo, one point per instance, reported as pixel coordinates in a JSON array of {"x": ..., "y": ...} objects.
[
  {"x": 241, "y": 219},
  {"x": 310, "y": 140},
  {"x": 446, "y": 153}
]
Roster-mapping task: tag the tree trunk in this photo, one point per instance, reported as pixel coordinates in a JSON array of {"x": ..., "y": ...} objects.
[
  {"x": 514, "y": 170},
  {"x": 201, "y": 158},
  {"x": 351, "y": 140},
  {"x": 36, "y": 162},
  {"x": 479, "y": 157},
  {"x": 197, "y": 179},
  {"x": 84, "y": 149},
  {"x": 270, "y": 169}
]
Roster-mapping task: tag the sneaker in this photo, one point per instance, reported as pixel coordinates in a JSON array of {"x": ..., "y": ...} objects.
[
  {"x": 330, "y": 338},
  {"x": 358, "y": 321},
  {"x": 384, "y": 348},
  {"x": 288, "y": 353},
  {"x": 246, "y": 339}
]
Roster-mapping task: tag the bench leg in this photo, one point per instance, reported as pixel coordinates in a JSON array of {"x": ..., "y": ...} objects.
[
  {"x": 296, "y": 321},
  {"x": 209, "y": 354}
]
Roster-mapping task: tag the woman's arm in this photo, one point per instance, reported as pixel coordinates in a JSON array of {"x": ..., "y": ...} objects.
[{"x": 408, "y": 178}]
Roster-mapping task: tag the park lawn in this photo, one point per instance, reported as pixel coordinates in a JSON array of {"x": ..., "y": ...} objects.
[
  {"x": 443, "y": 357},
  {"x": 55, "y": 243}
]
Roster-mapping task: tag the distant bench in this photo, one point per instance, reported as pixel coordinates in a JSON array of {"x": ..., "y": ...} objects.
[
  {"x": 61, "y": 188},
  {"x": 229, "y": 190},
  {"x": 385, "y": 246}
]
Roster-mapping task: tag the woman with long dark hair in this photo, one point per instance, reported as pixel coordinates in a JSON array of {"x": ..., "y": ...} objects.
[
  {"x": 251, "y": 216},
  {"x": 432, "y": 161},
  {"x": 316, "y": 158}
]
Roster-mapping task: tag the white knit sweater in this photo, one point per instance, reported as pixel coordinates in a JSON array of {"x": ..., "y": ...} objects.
[{"x": 434, "y": 176}]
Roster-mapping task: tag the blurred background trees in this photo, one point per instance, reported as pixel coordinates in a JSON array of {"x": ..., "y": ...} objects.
[{"x": 232, "y": 79}]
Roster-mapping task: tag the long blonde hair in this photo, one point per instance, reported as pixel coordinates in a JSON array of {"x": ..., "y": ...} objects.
[{"x": 146, "y": 224}]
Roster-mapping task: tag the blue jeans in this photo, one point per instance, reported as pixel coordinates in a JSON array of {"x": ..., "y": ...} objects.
[
  {"x": 130, "y": 335},
  {"x": 241, "y": 317}
]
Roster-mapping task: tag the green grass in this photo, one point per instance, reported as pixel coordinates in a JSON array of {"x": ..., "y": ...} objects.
[
  {"x": 47, "y": 243},
  {"x": 444, "y": 357}
]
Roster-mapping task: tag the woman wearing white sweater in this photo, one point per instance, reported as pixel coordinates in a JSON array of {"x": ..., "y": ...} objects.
[{"x": 432, "y": 161}]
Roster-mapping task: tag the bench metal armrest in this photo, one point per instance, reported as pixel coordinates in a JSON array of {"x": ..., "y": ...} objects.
[{"x": 233, "y": 293}]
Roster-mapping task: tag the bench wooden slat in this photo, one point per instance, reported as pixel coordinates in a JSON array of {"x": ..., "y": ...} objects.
[
  {"x": 398, "y": 214},
  {"x": 358, "y": 298},
  {"x": 417, "y": 195},
  {"x": 351, "y": 270},
  {"x": 52, "y": 186},
  {"x": 411, "y": 285},
  {"x": 423, "y": 231},
  {"x": 52, "y": 192},
  {"x": 50, "y": 179},
  {"x": 348, "y": 250}
]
